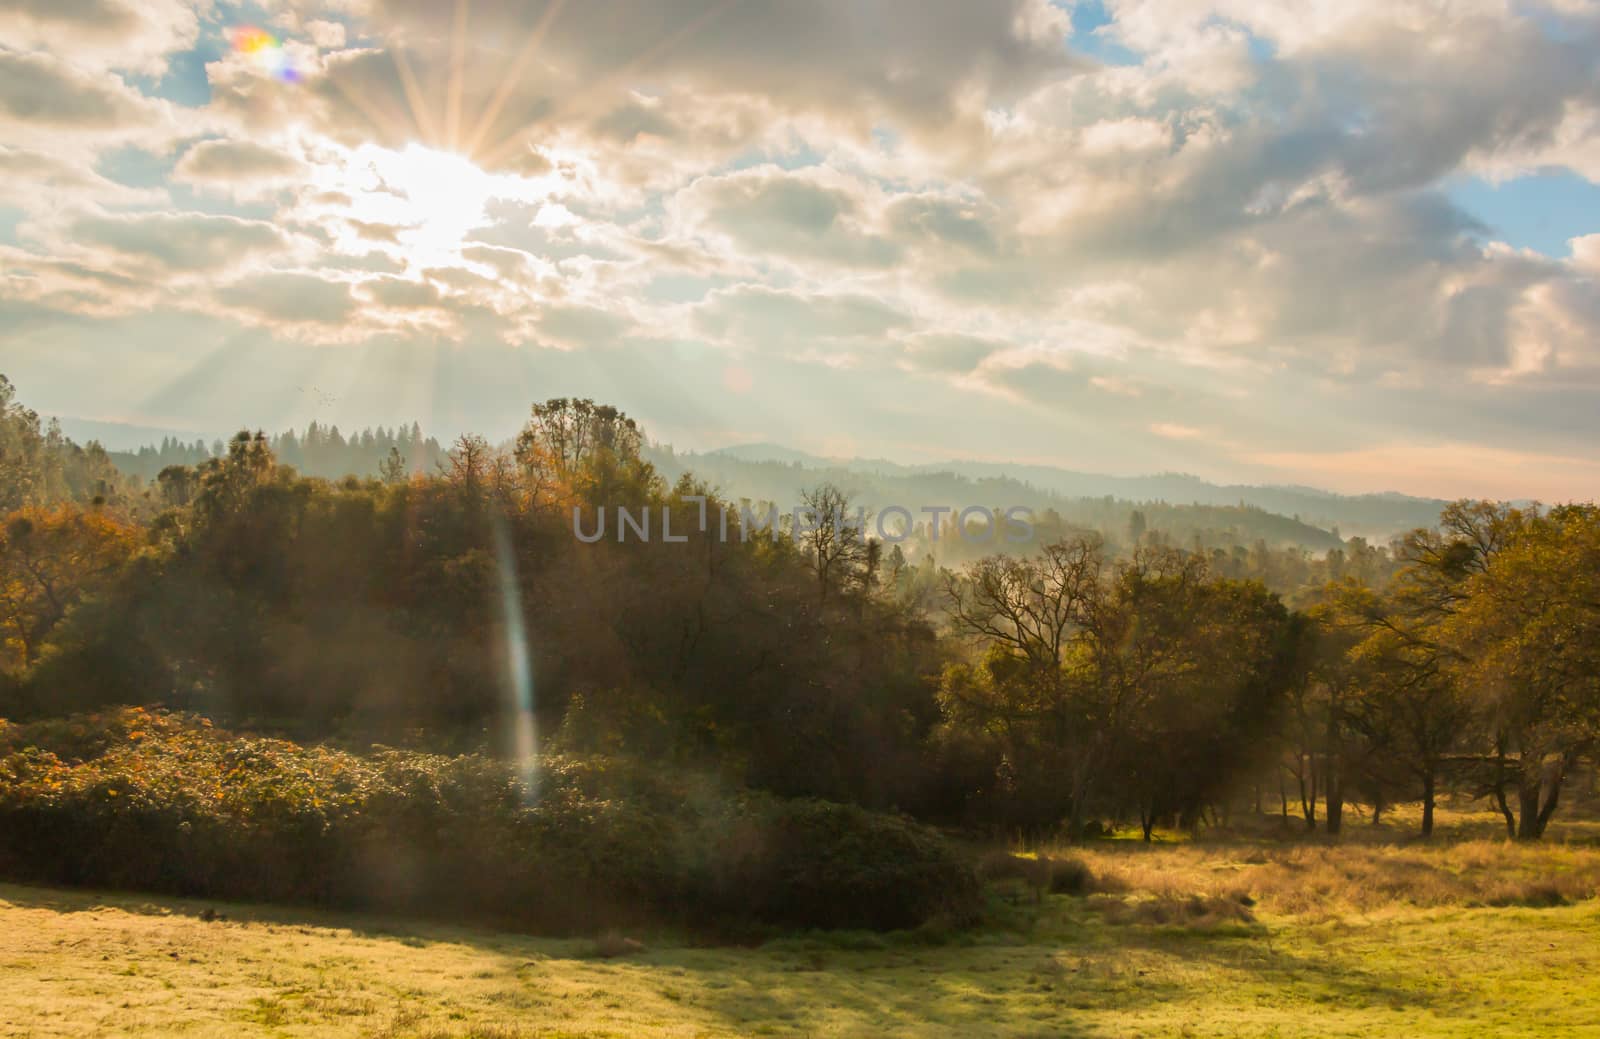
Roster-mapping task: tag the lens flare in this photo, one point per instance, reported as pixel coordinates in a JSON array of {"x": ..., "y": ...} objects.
[
  {"x": 519, "y": 667},
  {"x": 266, "y": 52}
]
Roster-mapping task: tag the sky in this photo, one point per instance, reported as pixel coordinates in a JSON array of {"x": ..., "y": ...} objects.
[{"x": 1353, "y": 244}]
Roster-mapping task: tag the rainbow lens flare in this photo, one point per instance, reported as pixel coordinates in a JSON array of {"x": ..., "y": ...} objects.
[{"x": 266, "y": 51}]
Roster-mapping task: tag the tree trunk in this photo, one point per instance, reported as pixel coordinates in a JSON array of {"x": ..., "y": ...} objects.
[
  {"x": 1505, "y": 809},
  {"x": 1500, "y": 787},
  {"x": 1308, "y": 799},
  {"x": 1080, "y": 794},
  {"x": 1427, "y": 804},
  {"x": 1553, "y": 779},
  {"x": 1335, "y": 797},
  {"x": 1528, "y": 801}
]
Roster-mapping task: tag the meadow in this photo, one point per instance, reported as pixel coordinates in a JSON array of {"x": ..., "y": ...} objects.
[{"x": 1464, "y": 936}]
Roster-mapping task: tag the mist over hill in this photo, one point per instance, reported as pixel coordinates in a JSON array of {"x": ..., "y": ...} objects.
[
  {"x": 1306, "y": 516},
  {"x": 1187, "y": 509}
]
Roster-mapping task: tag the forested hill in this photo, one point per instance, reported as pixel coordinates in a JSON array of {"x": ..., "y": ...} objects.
[
  {"x": 1186, "y": 509},
  {"x": 1211, "y": 526},
  {"x": 1376, "y": 517}
]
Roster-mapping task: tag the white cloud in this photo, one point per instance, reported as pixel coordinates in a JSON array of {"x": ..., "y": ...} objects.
[{"x": 133, "y": 35}]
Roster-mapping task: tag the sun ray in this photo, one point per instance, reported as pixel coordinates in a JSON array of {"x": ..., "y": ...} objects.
[
  {"x": 509, "y": 82},
  {"x": 414, "y": 98},
  {"x": 458, "y": 61},
  {"x": 510, "y": 142},
  {"x": 386, "y": 123}
]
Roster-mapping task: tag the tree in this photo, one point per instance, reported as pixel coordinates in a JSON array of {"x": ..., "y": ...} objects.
[
  {"x": 1207, "y": 687},
  {"x": 39, "y": 465},
  {"x": 1523, "y": 624},
  {"x": 577, "y": 449},
  {"x": 836, "y": 548},
  {"x": 470, "y": 463},
  {"x": 22, "y": 454},
  {"x": 1028, "y": 615},
  {"x": 1407, "y": 707},
  {"x": 392, "y": 470},
  {"x": 1146, "y": 670},
  {"x": 227, "y": 480},
  {"x": 50, "y": 559}
]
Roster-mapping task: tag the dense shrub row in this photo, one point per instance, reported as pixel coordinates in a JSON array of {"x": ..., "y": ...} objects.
[{"x": 157, "y": 801}]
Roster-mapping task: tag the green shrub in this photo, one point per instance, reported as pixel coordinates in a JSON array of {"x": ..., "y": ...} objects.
[{"x": 156, "y": 801}]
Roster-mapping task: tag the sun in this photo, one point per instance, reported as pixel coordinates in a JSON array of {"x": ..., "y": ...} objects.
[{"x": 420, "y": 203}]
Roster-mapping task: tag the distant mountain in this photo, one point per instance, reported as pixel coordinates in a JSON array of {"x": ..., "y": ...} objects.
[
  {"x": 766, "y": 452},
  {"x": 1376, "y": 517},
  {"x": 916, "y": 488}
]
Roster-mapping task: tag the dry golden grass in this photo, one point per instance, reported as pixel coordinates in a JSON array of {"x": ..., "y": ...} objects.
[{"x": 1327, "y": 881}]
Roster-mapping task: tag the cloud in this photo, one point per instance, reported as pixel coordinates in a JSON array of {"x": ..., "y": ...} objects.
[
  {"x": 582, "y": 327},
  {"x": 135, "y": 35},
  {"x": 919, "y": 62},
  {"x": 755, "y": 317},
  {"x": 185, "y": 242},
  {"x": 232, "y": 162},
  {"x": 290, "y": 298},
  {"x": 1175, "y": 431},
  {"x": 964, "y": 226},
  {"x": 402, "y": 293},
  {"x": 43, "y": 92},
  {"x": 945, "y": 352},
  {"x": 36, "y": 180},
  {"x": 807, "y": 215},
  {"x": 1242, "y": 226},
  {"x": 1449, "y": 470}
]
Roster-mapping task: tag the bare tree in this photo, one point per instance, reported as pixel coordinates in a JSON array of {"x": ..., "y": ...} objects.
[{"x": 835, "y": 548}]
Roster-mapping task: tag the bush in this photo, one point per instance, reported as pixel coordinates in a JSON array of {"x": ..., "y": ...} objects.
[
  {"x": 1041, "y": 873},
  {"x": 818, "y": 864},
  {"x": 1070, "y": 877},
  {"x": 156, "y": 801}
]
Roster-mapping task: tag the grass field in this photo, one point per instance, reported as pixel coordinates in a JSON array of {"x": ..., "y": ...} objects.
[{"x": 1476, "y": 938}]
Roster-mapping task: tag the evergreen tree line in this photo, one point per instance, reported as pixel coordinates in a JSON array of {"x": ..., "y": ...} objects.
[{"x": 318, "y": 450}]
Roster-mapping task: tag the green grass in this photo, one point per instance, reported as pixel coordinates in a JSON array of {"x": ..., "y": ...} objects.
[{"x": 87, "y": 964}]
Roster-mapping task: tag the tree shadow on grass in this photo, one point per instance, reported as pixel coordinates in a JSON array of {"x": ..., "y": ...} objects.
[
  {"x": 850, "y": 985},
  {"x": 1072, "y": 974},
  {"x": 1257, "y": 955},
  {"x": 412, "y": 930}
]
